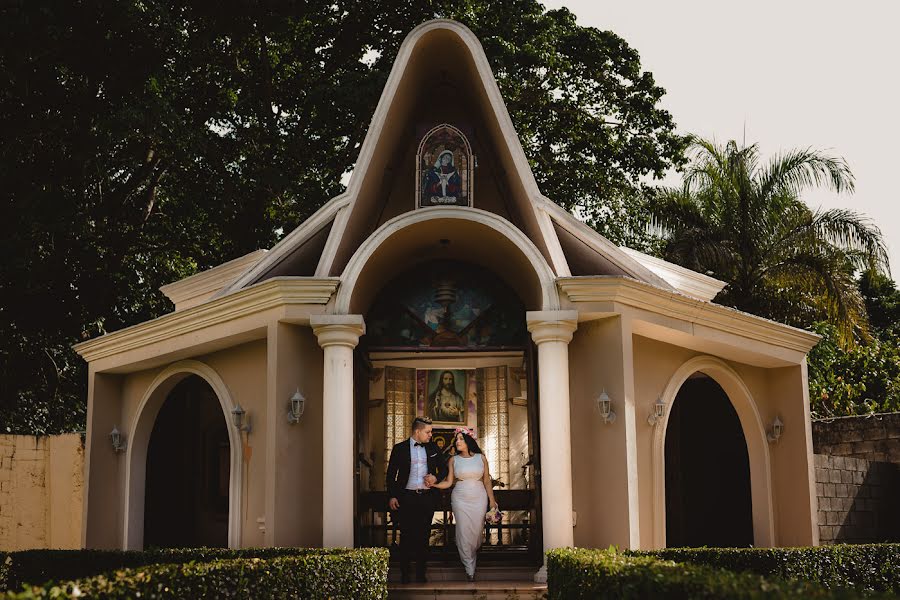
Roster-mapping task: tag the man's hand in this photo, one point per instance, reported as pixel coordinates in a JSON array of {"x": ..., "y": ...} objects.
[
  {"x": 430, "y": 480},
  {"x": 394, "y": 504}
]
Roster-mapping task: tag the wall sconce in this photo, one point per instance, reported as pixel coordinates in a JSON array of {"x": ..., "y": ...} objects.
[
  {"x": 237, "y": 418},
  {"x": 296, "y": 408},
  {"x": 659, "y": 409},
  {"x": 777, "y": 430},
  {"x": 604, "y": 405},
  {"x": 117, "y": 439}
]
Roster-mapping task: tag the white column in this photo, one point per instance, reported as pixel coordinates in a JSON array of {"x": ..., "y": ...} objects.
[
  {"x": 552, "y": 331},
  {"x": 338, "y": 336}
]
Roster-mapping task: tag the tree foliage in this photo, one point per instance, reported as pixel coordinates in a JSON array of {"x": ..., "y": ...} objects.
[
  {"x": 865, "y": 378},
  {"x": 745, "y": 223},
  {"x": 144, "y": 140}
]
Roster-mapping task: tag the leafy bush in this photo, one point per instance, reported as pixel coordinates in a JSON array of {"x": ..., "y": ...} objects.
[
  {"x": 864, "y": 379},
  {"x": 867, "y": 567},
  {"x": 273, "y": 573},
  {"x": 575, "y": 574}
]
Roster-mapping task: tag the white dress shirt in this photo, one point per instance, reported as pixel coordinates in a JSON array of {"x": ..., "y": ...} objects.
[{"x": 418, "y": 466}]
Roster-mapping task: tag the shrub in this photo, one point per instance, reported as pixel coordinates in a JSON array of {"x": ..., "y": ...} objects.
[
  {"x": 575, "y": 574},
  {"x": 40, "y": 566},
  {"x": 310, "y": 574},
  {"x": 873, "y": 567}
]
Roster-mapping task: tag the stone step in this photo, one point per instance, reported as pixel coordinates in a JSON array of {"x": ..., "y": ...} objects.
[
  {"x": 464, "y": 590},
  {"x": 438, "y": 573}
]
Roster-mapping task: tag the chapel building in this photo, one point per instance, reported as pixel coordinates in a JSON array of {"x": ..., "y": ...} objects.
[{"x": 615, "y": 402}]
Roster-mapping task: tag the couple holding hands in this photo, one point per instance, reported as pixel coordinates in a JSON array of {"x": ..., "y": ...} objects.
[{"x": 416, "y": 470}]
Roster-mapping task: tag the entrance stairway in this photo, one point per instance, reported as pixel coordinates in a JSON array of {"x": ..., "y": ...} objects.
[{"x": 492, "y": 582}]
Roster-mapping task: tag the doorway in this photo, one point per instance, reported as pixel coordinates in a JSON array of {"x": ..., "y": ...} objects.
[
  {"x": 708, "y": 501},
  {"x": 186, "y": 497},
  {"x": 462, "y": 327}
]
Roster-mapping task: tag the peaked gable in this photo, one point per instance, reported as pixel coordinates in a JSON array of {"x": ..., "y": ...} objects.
[{"x": 442, "y": 75}]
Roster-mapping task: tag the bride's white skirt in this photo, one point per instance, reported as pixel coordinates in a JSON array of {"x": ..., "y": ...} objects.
[{"x": 469, "y": 502}]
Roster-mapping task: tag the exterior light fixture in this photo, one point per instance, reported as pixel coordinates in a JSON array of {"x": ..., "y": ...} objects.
[
  {"x": 117, "y": 439},
  {"x": 298, "y": 405},
  {"x": 237, "y": 418},
  {"x": 659, "y": 409},
  {"x": 604, "y": 405},
  {"x": 777, "y": 430}
]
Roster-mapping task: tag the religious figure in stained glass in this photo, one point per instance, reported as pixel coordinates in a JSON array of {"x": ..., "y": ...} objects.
[{"x": 444, "y": 162}]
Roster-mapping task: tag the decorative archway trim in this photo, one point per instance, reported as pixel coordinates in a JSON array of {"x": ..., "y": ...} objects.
[
  {"x": 350, "y": 277},
  {"x": 139, "y": 439},
  {"x": 754, "y": 435}
]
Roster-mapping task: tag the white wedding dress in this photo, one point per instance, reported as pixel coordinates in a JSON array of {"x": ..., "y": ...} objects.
[{"x": 469, "y": 503}]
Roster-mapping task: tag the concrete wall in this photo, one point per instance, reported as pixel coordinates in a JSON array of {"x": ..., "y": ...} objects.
[
  {"x": 873, "y": 438},
  {"x": 857, "y": 500},
  {"x": 41, "y": 481}
]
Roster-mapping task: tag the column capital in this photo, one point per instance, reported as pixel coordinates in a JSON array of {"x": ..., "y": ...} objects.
[
  {"x": 552, "y": 325},
  {"x": 338, "y": 330}
]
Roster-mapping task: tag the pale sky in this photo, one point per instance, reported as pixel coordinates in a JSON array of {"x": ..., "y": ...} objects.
[{"x": 797, "y": 73}]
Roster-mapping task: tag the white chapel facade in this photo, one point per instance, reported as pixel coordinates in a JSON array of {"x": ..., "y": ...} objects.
[{"x": 616, "y": 403}]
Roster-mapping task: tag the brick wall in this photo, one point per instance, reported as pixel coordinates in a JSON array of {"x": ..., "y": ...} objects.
[
  {"x": 857, "y": 500},
  {"x": 874, "y": 438},
  {"x": 41, "y": 482}
]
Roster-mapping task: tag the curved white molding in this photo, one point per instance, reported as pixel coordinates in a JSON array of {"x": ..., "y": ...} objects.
[
  {"x": 256, "y": 298},
  {"x": 652, "y": 299},
  {"x": 350, "y": 277},
  {"x": 139, "y": 439},
  {"x": 288, "y": 243},
  {"x": 496, "y": 105},
  {"x": 602, "y": 246},
  {"x": 754, "y": 435}
]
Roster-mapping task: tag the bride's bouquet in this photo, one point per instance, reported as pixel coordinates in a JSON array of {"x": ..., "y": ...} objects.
[{"x": 493, "y": 516}]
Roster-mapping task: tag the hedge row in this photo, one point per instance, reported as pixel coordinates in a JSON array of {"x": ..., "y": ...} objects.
[
  {"x": 575, "y": 574},
  {"x": 41, "y": 566},
  {"x": 874, "y": 567},
  {"x": 307, "y": 574}
]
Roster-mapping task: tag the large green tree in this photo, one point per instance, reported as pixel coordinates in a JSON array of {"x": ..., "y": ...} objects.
[
  {"x": 745, "y": 223},
  {"x": 143, "y": 140}
]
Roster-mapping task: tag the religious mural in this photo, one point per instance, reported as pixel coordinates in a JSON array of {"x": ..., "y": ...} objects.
[
  {"x": 445, "y": 395},
  {"x": 446, "y": 305},
  {"x": 444, "y": 168}
]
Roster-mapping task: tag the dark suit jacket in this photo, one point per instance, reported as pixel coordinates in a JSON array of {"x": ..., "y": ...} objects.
[{"x": 399, "y": 465}]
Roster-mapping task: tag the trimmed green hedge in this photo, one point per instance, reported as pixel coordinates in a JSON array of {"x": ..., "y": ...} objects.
[
  {"x": 575, "y": 574},
  {"x": 874, "y": 567},
  {"x": 307, "y": 574},
  {"x": 41, "y": 566}
]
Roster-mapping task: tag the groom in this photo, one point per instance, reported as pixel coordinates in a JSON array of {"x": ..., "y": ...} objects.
[{"x": 415, "y": 465}]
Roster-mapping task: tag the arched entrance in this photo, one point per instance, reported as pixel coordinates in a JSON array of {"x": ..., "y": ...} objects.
[
  {"x": 186, "y": 497},
  {"x": 450, "y": 316},
  {"x": 741, "y": 401},
  {"x": 141, "y": 430},
  {"x": 708, "y": 500}
]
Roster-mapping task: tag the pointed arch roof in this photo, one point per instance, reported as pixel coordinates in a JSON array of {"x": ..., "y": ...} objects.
[{"x": 348, "y": 215}]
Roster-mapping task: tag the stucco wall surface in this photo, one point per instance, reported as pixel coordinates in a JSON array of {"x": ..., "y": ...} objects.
[{"x": 41, "y": 483}]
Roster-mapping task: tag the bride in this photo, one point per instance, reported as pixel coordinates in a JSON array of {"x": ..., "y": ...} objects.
[{"x": 470, "y": 497}]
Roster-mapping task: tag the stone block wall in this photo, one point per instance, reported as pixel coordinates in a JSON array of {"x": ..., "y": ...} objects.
[
  {"x": 874, "y": 438},
  {"x": 41, "y": 489},
  {"x": 857, "y": 500}
]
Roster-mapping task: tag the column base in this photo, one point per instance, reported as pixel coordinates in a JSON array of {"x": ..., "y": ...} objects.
[{"x": 541, "y": 575}]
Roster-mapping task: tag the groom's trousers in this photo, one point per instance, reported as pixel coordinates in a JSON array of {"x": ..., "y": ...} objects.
[{"x": 415, "y": 516}]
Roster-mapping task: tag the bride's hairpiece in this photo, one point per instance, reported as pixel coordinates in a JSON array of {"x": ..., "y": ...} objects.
[{"x": 466, "y": 430}]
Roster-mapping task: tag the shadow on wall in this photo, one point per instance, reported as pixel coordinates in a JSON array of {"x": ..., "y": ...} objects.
[{"x": 857, "y": 500}]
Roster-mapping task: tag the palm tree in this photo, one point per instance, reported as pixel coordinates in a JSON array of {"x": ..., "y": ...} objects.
[{"x": 745, "y": 223}]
